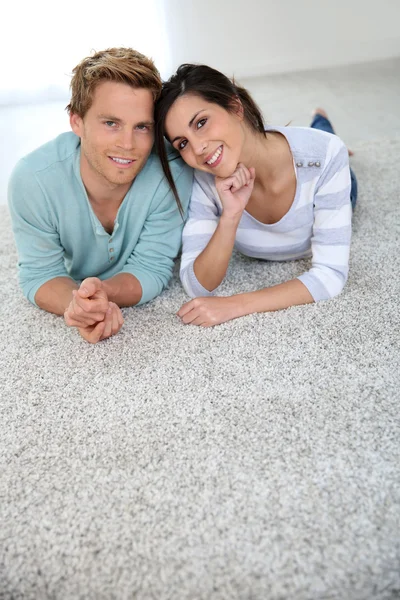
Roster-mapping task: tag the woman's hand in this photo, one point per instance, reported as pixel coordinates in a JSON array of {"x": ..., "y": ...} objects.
[
  {"x": 210, "y": 311},
  {"x": 235, "y": 191}
]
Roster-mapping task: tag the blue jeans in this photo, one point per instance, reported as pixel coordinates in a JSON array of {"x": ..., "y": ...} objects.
[{"x": 320, "y": 122}]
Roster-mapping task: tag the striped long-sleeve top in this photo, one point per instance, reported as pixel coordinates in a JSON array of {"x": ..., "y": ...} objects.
[{"x": 317, "y": 225}]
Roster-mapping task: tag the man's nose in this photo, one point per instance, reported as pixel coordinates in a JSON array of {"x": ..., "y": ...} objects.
[{"x": 126, "y": 139}]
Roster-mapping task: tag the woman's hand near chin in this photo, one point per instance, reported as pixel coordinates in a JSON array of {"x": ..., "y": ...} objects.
[
  {"x": 235, "y": 191},
  {"x": 211, "y": 264}
]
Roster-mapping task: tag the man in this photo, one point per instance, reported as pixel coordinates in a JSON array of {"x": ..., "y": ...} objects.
[{"x": 95, "y": 222}]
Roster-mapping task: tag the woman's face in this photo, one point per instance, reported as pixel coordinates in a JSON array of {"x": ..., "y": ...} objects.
[{"x": 208, "y": 137}]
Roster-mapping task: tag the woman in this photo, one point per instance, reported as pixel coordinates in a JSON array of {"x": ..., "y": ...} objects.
[{"x": 274, "y": 193}]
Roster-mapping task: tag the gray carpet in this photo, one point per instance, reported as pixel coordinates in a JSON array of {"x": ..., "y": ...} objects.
[{"x": 256, "y": 460}]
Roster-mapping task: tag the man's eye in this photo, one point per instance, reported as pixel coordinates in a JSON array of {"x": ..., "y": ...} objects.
[
  {"x": 201, "y": 123},
  {"x": 143, "y": 127},
  {"x": 182, "y": 144},
  {"x": 110, "y": 123}
]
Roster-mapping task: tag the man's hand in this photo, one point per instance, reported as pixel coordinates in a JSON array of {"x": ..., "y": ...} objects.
[
  {"x": 91, "y": 312},
  {"x": 89, "y": 304},
  {"x": 111, "y": 324}
]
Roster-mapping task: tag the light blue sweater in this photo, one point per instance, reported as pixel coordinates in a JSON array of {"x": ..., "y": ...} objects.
[{"x": 58, "y": 235}]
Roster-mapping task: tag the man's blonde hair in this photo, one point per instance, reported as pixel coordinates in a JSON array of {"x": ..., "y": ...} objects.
[{"x": 123, "y": 65}]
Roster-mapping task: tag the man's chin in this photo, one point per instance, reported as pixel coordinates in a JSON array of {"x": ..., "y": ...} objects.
[
  {"x": 123, "y": 180},
  {"x": 122, "y": 177}
]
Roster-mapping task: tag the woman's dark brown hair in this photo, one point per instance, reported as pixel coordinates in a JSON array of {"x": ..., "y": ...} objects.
[{"x": 213, "y": 86}]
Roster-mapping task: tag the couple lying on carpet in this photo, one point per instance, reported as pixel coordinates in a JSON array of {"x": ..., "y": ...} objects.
[{"x": 98, "y": 213}]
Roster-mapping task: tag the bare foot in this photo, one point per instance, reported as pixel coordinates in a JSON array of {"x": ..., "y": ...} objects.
[
  {"x": 323, "y": 113},
  {"x": 320, "y": 111}
]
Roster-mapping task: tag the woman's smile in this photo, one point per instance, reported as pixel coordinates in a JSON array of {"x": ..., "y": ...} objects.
[
  {"x": 207, "y": 136},
  {"x": 213, "y": 160}
]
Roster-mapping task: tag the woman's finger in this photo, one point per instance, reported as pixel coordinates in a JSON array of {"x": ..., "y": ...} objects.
[
  {"x": 190, "y": 316},
  {"x": 185, "y": 308},
  {"x": 245, "y": 173},
  {"x": 200, "y": 321}
]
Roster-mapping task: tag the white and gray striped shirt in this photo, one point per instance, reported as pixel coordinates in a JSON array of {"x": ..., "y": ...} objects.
[{"x": 317, "y": 225}]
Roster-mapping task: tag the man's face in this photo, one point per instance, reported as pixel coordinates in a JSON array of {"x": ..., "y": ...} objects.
[{"x": 116, "y": 134}]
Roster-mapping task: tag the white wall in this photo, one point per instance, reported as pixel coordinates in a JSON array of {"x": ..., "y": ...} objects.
[
  {"x": 253, "y": 37},
  {"x": 42, "y": 42}
]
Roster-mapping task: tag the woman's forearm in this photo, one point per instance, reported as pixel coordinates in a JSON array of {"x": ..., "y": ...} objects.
[
  {"x": 277, "y": 297},
  {"x": 211, "y": 265}
]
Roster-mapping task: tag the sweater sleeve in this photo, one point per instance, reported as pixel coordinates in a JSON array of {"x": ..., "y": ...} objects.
[
  {"x": 40, "y": 253},
  {"x": 152, "y": 260},
  {"x": 331, "y": 235},
  {"x": 204, "y": 211}
]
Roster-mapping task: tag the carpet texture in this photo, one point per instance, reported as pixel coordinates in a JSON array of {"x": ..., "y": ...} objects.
[{"x": 256, "y": 460}]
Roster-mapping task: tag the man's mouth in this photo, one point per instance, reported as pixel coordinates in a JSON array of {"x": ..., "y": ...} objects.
[
  {"x": 214, "y": 159},
  {"x": 122, "y": 162}
]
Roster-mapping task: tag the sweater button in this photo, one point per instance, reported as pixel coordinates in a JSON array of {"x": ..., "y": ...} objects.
[
  {"x": 310, "y": 164},
  {"x": 317, "y": 164},
  {"x": 299, "y": 164}
]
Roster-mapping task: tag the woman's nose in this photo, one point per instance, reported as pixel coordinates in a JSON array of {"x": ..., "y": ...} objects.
[{"x": 201, "y": 148}]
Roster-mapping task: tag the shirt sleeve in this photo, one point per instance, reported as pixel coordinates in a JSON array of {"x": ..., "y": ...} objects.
[
  {"x": 40, "y": 253},
  {"x": 204, "y": 212},
  {"x": 152, "y": 260},
  {"x": 330, "y": 242}
]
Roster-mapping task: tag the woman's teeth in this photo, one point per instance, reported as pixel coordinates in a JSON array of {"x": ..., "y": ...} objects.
[{"x": 215, "y": 156}]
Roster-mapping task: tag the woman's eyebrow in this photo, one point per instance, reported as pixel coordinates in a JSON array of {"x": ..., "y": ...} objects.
[{"x": 190, "y": 124}]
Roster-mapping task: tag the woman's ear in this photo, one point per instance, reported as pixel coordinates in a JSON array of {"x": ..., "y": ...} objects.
[{"x": 238, "y": 107}]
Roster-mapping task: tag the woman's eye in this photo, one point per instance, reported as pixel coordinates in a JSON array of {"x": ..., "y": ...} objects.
[
  {"x": 182, "y": 144},
  {"x": 201, "y": 123}
]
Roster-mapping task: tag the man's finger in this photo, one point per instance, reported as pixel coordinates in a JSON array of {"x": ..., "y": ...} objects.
[
  {"x": 97, "y": 332},
  {"x": 115, "y": 323},
  {"x": 97, "y": 307},
  {"x": 120, "y": 317},
  {"x": 118, "y": 313},
  {"x": 92, "y": 336},
  {"x": 72, "y": 322},
  {"x": 89, "y": 286},
  {"x": 108, "y": 324}
]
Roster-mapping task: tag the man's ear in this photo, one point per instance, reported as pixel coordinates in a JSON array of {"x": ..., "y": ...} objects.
[{"x": 76, "y": 123}]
